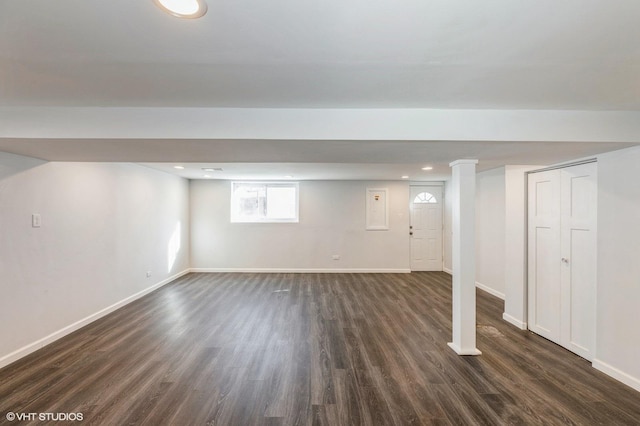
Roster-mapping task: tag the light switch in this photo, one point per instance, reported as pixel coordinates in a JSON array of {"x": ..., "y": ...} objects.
[{"x": 36, "y": 220}]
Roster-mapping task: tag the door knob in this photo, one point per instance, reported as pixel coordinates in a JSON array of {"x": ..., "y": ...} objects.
[{"x": 565, "y": 260}]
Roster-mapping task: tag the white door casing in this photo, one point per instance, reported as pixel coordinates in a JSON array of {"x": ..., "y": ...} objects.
[
  {"x": 562, "y": 256},
  {"x": 426, "y": 205}
]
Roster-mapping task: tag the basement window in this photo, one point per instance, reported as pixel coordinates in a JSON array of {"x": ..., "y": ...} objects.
[
  {"x": 264, "y": 202},
  {"x": 425, "y": 198}
]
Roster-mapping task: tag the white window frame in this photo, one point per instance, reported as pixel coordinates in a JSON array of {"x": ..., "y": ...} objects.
[{"x": 235, "y": 217}]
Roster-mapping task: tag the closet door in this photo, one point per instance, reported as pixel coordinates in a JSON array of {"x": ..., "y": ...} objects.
[
  {"x": 578, "y": 268},
  {"x": 562, "y": 256},
  {"x": 544, "y": 254}
]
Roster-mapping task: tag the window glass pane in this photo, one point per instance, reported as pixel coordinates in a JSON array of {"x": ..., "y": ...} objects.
[
  {"x": 250, "y": 201},
  {"x": 264, "y": 202},
  {"x": 424, "y": 197},
  {"x": 281, "y": 202}
]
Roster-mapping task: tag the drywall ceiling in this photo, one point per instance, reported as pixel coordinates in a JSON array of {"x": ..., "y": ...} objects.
[
  {"x": 519, "y": 57},
  {"x": 306, "y": 159},
  {"x": 501, "y": 54}
]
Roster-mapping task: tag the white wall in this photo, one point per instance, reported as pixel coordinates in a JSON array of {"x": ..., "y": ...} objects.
[
  {"x": 618, "y": 303},
  {"x": 332, "y": 221},
  {"x": 103, "y": 227},
  {"x": 490, "y": 231},
  {"x": 515, "y": 243},
  {"x": 448, "y": 227},
  {"x": 11, "y": 164}
]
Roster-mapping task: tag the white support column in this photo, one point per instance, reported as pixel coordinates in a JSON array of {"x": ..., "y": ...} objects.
[{"x": 464, "y": 257}]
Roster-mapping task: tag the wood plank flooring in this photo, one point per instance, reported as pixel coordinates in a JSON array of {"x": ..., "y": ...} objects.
[{"x": 309, "y": 349}]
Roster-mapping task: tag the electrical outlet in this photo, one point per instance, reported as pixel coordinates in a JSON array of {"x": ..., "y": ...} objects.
[
  {"x": 148, "y": 274},
  {"x": 36, "y": 220}
]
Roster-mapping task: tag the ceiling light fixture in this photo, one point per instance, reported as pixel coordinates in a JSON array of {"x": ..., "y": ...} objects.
[
  {"x": 179, "y": 167},
  {"x": 189, "y": 9},
  {"x": 212, "y": 169},
  {"x": 207, "y": 176},
  {"x": 288, "y": 177},
  {"x": 427, "y": 168},
  {"x": 405, "y": 177}
]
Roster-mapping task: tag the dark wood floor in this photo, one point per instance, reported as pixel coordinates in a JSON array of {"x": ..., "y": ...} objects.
[{"x": 338, "y": 349}]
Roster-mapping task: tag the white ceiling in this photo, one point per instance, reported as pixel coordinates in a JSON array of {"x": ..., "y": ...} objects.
[
  {"x": 306, "y": 159},
  {"x": 543, "y": 54},
  {"x": 468, "y": 54}
]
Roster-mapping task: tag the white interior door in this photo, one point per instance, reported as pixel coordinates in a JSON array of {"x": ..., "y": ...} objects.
[
  {"x": 544, "y": 254},
  {"x": 578, "y": 269},
  {"x": 562, "y": 256},
  {"x": 426, "y": 228}
]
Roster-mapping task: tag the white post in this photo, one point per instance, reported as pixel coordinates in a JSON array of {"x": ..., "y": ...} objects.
[{"x": 464, "y": 257}]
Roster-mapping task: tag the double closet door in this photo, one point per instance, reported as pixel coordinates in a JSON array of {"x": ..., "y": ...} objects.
[{"x": 562, "y": 256}]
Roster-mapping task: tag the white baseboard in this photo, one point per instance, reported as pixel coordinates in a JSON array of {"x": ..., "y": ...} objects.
[
  {"x": 617, "y": 374},
  {"x": 304, "y": 271},
  {"x": 514, "y": 321},
  {"x": 32, "y": 347},
  {"x": 489, "y": 290},
  {"x": 448, "y": 271}
]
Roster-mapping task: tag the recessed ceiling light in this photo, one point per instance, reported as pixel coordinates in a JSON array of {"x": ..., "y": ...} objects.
[
  {"x": 212, "y": 169},
  {"x": 178, "y": 167},
  {"x": 427, "y": 168},
  {"x": 405, "y": 177},
  {"x": 288, "y": 177},
  {"x": 207, "y": 176},
  {"x": 189, "y": 9}
]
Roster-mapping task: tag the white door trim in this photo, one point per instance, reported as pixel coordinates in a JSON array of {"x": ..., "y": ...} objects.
[
  {"x": 564, "y": 336},
  {"x": 441, "y": 189}
]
